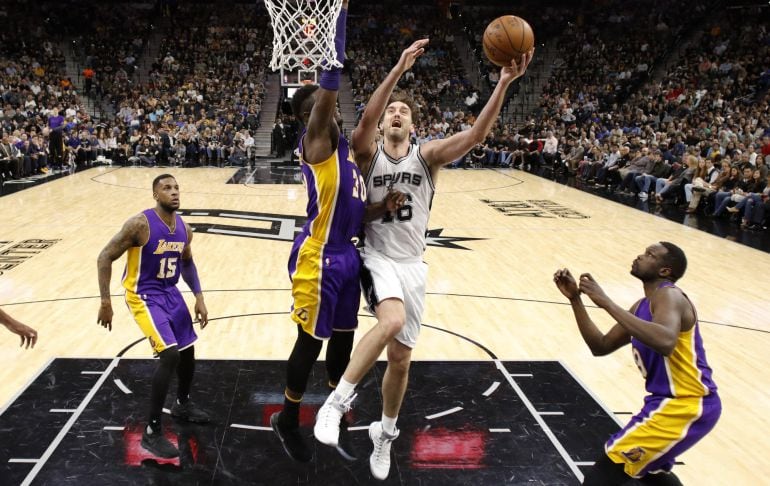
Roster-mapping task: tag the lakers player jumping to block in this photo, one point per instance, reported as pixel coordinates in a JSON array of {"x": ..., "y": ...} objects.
[
  {"x": 682, "y": 405},
  {"x": 393, "y": 274},
  {"x": 159, "y": 251}
]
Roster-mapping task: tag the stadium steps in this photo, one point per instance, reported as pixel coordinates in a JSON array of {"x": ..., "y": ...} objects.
[{"x": 263, "y": 135}]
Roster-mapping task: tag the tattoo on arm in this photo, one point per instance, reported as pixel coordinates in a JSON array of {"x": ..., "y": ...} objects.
[{"x": 135, "y": 232}]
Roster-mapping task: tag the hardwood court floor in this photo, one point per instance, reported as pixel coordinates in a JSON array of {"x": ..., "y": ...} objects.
[{"x": 496, "y": 289}]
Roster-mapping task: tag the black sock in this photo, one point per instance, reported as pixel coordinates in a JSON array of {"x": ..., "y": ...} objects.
[
  {"x": 298, "y": 368},
  {"x": 160, "y": 381},
  {"x": 338, "y": 355},
  {"x": 185, "y": 371},
  {"x": 289, "y": 417},
  {"x": 154, "y": 426}
]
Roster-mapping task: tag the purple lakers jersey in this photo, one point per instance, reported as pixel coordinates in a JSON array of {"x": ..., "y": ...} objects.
[
  {"x": 154, "y": 267},
  {"x": 685, "y": 373},
  {"x": 336, "y": 197}
]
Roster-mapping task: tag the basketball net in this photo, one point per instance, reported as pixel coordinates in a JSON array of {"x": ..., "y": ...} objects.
[{"x": 303, "y": 33}]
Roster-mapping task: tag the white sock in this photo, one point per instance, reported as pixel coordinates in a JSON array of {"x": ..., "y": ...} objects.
[
  {"x": 389, "y": 424},
  {"x": 344, "y": 389}
]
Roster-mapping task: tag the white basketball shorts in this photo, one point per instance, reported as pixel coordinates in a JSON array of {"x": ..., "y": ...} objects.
[{"x": 384, "y": 278}]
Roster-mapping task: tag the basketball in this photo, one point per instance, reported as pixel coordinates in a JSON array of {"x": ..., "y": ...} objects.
[{"x": 507, "y": 38}]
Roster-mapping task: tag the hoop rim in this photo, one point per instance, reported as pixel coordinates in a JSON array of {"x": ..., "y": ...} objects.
[{"x": 292, "y": 46}]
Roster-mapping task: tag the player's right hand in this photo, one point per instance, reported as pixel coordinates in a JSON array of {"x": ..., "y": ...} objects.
[
  {"x": 411, "y": 53},
  {"x": 27, "y": 334},
  {"x": 105, "y": 315},
  {"x": 566, "y": 283},
  {"x": 394, "y": 200}
]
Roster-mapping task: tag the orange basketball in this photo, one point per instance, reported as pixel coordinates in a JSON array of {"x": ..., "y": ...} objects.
[{"x": 507, "y": 38}]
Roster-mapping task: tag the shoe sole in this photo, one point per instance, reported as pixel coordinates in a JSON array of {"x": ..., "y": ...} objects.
[{"x": 274, "y": 426}]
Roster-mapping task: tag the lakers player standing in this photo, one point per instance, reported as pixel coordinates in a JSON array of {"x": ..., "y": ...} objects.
[
  {"x": 394, "y": 275},
  {"x": 682, "y": 404},
  {"x": 159, "y": 251}
]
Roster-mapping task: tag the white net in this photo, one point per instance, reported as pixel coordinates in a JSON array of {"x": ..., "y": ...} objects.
[{"x": 303, "y": 33}]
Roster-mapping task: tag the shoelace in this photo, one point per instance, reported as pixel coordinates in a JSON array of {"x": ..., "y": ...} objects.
[
  {"x": 380, "y": 445},
  {"x": 347, "y": 403},
  {"x": 341, "y": 407}
]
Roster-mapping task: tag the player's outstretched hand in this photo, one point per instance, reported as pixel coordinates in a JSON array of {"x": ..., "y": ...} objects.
[
  {"x": 566, "y": 284},
  {"x": 517, "y": 68},
  {"x": 394, "y": 200},
  {"x": 201, "y": 313},
  {"x": 411, "y": 53},
  {"x": 592, "y": 289},
  {"x": 105, "y": 315},
  {"x": 27, "y": 334}
]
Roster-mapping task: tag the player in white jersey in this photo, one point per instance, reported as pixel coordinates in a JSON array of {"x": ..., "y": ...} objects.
[{"x": 394, "y": 274}]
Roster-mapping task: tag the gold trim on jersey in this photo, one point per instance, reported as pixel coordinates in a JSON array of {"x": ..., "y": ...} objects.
[
  {"x": 143, "y": 318},
  {"x": 306, "y": 285},
  {"x": 325, "y": 174},
  {"x": 686, "y": 378},
  {"x": 133, "y": 268},
  {"x": 665, "y": 427}
]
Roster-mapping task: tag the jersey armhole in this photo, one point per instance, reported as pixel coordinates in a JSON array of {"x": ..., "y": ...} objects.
[
  {"x": 372, "y": 163},
  {"x": 425, "y": 167}
]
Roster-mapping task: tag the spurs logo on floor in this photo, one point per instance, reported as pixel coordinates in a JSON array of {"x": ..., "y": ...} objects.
[
  {"x": 535, "y": 208},
  {"x": 282, "y": 226},
  {"x": 14, "y": 255}
]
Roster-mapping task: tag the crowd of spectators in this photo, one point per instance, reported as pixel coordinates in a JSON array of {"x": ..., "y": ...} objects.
[
  {"x": 697, "y": 134},
  {"x": 605, "y": 120}
]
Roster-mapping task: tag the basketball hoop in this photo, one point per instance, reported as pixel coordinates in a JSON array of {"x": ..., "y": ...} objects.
[{"x": 303, "y": 33}]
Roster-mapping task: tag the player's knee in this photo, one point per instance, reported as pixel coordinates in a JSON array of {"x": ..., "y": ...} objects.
[
  {"x": 392, "y": 325},
  {"x": 399, "y": 358},
  {"x": 169, "y": 357}
]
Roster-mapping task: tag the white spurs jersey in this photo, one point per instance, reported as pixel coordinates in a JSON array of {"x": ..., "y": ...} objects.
[{"x": 401, "y": 236}]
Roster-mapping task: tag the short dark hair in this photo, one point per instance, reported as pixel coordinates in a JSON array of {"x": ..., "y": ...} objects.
[
  {"x": 156, "y": 181},
  {"x": 302, "y": 102},
  {"x": 406, "y": 99},
  {"x": 675, "y": 260}
]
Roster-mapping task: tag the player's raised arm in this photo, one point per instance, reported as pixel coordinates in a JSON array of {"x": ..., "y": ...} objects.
[
  {"x": 660, "y": 333},
  {"x": 363, "y": 139},
  {"x": 135, "y": 232},
  {"x": 598, "y": 342},
  {"x": 322, "y": 130},
  {"x": 441, "y": 152}
]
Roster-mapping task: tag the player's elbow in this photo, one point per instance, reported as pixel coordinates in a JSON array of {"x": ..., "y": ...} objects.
[{"x": 667, "y": 348}]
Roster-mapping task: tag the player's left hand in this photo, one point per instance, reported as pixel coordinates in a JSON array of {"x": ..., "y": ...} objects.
[
  {"x": 592, "y": 289},
  {"x": 411, "y": 53},
  {"x": 517, "y": 68},
  {"x": 201, "y": 313}
]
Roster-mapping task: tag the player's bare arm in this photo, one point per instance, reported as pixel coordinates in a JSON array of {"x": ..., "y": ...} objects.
[
  {"x": 392, "y": 202},
  {"x": 135, "y": 232},
  {"x": 598, "y": 342},
  {"x": 320, "y": 140},
  {"x": 441, "y": 152},
  {"x": 190, "y": 276},
  {"x": 661, "y": 334},
  {"x": 363, "y": 142},
  {"x": 317, "y": 145}
]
